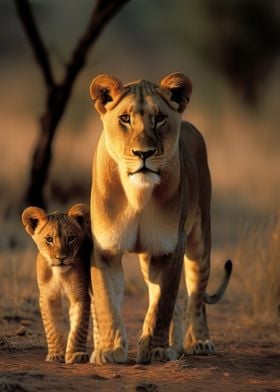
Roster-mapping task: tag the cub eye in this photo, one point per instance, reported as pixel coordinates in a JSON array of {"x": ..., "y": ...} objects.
[
  {"x": 49, "y": 239},
  {"x": 71, "y": 238},
  {"x": 125, "y": 118},
  {"x": 160, "y": 118}
]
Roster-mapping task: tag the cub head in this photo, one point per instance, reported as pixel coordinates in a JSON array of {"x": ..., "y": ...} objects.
[
  {"x": 59, "y": 236},
  {"x": 141, "y": 123}
]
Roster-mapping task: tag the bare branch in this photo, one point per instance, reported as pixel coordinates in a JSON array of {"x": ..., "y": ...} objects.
[
  {"x": 40, "y": 52},
  {"x": 58, "y": 94},
  {"x": 101, "y": 15}
]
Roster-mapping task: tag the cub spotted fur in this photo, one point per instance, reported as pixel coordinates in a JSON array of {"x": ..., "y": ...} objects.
[
  {"x": 150, "y": 195},
  {"x": 63, "y": 265}
]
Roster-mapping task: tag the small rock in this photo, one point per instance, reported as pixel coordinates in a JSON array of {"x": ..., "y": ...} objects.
[
  {"x": 96, "y": 376},
  {"x": 140, "y": 367},
  {"x": 21, "y": 331},
  {"x": 27, "y": 323},
  {"x": 147, "y": 387},
  {"x": 116, "y": 375}
]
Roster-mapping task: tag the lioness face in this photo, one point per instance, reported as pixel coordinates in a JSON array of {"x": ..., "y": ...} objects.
[{"x": 141, "y": 123}]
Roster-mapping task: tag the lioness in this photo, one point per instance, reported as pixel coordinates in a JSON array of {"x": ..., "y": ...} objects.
[
  {"x": 63, "y": 265},
  {"x": 151, "y": 196}
]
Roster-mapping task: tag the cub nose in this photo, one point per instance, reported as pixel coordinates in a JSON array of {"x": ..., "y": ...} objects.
[{"x": 144, "y": 154}]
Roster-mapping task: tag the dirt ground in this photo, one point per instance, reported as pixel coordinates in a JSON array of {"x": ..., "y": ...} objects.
[{"x": 247, "y": 359}]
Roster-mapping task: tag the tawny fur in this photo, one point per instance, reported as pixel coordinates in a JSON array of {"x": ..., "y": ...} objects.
[
  {"x": 151, "y": 194},
  {"x": 63, "y": 266}
]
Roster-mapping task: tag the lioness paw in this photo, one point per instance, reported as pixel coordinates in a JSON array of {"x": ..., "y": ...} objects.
[
  {"x": 55, "y": 358},
  {"x": 103, "y": 356},
  {"x": 76, "y": 357},
  {"x": 164, "y": 354},
  {"x": 146, "y": 354},
  {"x": 205, "y": 347}
]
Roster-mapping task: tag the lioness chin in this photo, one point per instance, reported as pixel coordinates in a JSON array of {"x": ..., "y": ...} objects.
[{"x": 150, "y": 195}]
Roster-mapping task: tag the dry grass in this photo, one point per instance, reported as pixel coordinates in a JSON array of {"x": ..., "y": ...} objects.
[
  {"x": 254, "y": 288},
  {"x": 258, "y": 272},
  {"x": 18, "y": 292}
]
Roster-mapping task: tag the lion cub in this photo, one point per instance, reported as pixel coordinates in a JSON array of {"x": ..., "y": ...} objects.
[{"x": 63, "y": 265}]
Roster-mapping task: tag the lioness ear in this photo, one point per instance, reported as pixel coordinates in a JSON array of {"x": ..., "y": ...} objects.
[
  {"x": 179, "y": 88},
  {"x": 104, "y": 89},
  {"x": 81, "y": 213},
  {"x": 31, "y": 217}
]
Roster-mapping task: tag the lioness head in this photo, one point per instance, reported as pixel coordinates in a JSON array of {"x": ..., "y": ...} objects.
[
  {"x": 58, "y": 236},
  {"x": 141, "y": 123}
]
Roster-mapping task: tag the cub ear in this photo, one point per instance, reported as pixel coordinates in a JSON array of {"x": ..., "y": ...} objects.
[
  {"x": 179, "y": 89},
  {"x": 81, "y": 213},
  {"x": 104, "y": 89},
  {"x": 31, "y": 217}
]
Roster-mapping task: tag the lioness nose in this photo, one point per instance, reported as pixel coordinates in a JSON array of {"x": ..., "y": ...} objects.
[
  {"x": 144, "y": 154},
  {"x": 60, "y": 257}
]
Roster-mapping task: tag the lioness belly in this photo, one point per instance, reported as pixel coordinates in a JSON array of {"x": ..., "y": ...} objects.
[{"x": 137, "y": 232}]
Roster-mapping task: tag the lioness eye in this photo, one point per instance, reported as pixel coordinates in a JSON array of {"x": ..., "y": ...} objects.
[
  {"x": 71, "y": 238},
  {"x": 125, "y": 118},
  {"x": 160, "y": 117},
  {"x": 49, "y": 239}
]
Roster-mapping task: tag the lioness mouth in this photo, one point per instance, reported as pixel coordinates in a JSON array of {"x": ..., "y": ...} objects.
[
  {"x": 144, "y": 170},
  {"x": 61, "y": 265}
]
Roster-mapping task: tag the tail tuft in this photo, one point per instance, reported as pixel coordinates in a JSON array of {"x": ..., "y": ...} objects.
[
  {"x": 228, "y": 267},
  {"x": 214, "y": 298}
]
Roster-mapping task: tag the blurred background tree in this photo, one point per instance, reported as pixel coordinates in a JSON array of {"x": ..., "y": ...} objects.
[
  {"x": 244, "y": 43},
  {"x": 57, "y": 93}
]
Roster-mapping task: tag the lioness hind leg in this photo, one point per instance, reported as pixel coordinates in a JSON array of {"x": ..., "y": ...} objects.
[
  {"x": 176, "y": 329},
  {"x": 197, "y": 269},
  {"x": 110, "y": 343},
  {"x": 153, "y": 344}
]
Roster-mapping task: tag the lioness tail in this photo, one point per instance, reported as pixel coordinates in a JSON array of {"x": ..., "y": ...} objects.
[{"x": 214, "y": 298}]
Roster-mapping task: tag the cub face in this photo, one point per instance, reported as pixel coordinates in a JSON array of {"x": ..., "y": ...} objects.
[
  {"x": 141, "y": 122},
  {"x": 58, "y": 236}
]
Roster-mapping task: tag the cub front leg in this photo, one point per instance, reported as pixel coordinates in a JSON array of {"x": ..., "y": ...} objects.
[
  {"x": 109, "y": 332},
  {"x": 51, "y": 309},
  {"x": 162, "y": 275}
]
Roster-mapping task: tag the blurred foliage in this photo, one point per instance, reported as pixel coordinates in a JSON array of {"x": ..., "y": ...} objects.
[
  {"x": 245, "y": 42},
  {"x": 239, "y": 38}
]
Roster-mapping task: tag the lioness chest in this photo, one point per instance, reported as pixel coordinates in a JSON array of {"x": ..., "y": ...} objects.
[{"x": 150, "y": 230}]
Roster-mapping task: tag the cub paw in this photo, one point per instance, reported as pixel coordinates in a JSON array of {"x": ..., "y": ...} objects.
[
  {"x": 200, "y": 347},
  {"x": 76, "y": 357},
  {"x": 55, "y": 358},
  {"x": 103, "y": 356}
]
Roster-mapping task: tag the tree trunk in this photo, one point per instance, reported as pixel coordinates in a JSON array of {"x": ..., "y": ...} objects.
[
  {"x": 58, "y": 95},
  {"x": 42, "y": 155}
]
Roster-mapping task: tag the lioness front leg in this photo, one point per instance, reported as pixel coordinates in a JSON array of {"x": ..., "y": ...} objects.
[
  {"x": 197, "y": 269},
  {"x": 162, "y": 275},
  {"x": 79, "y": 319},
  {"x": 108, "y": 287}
]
